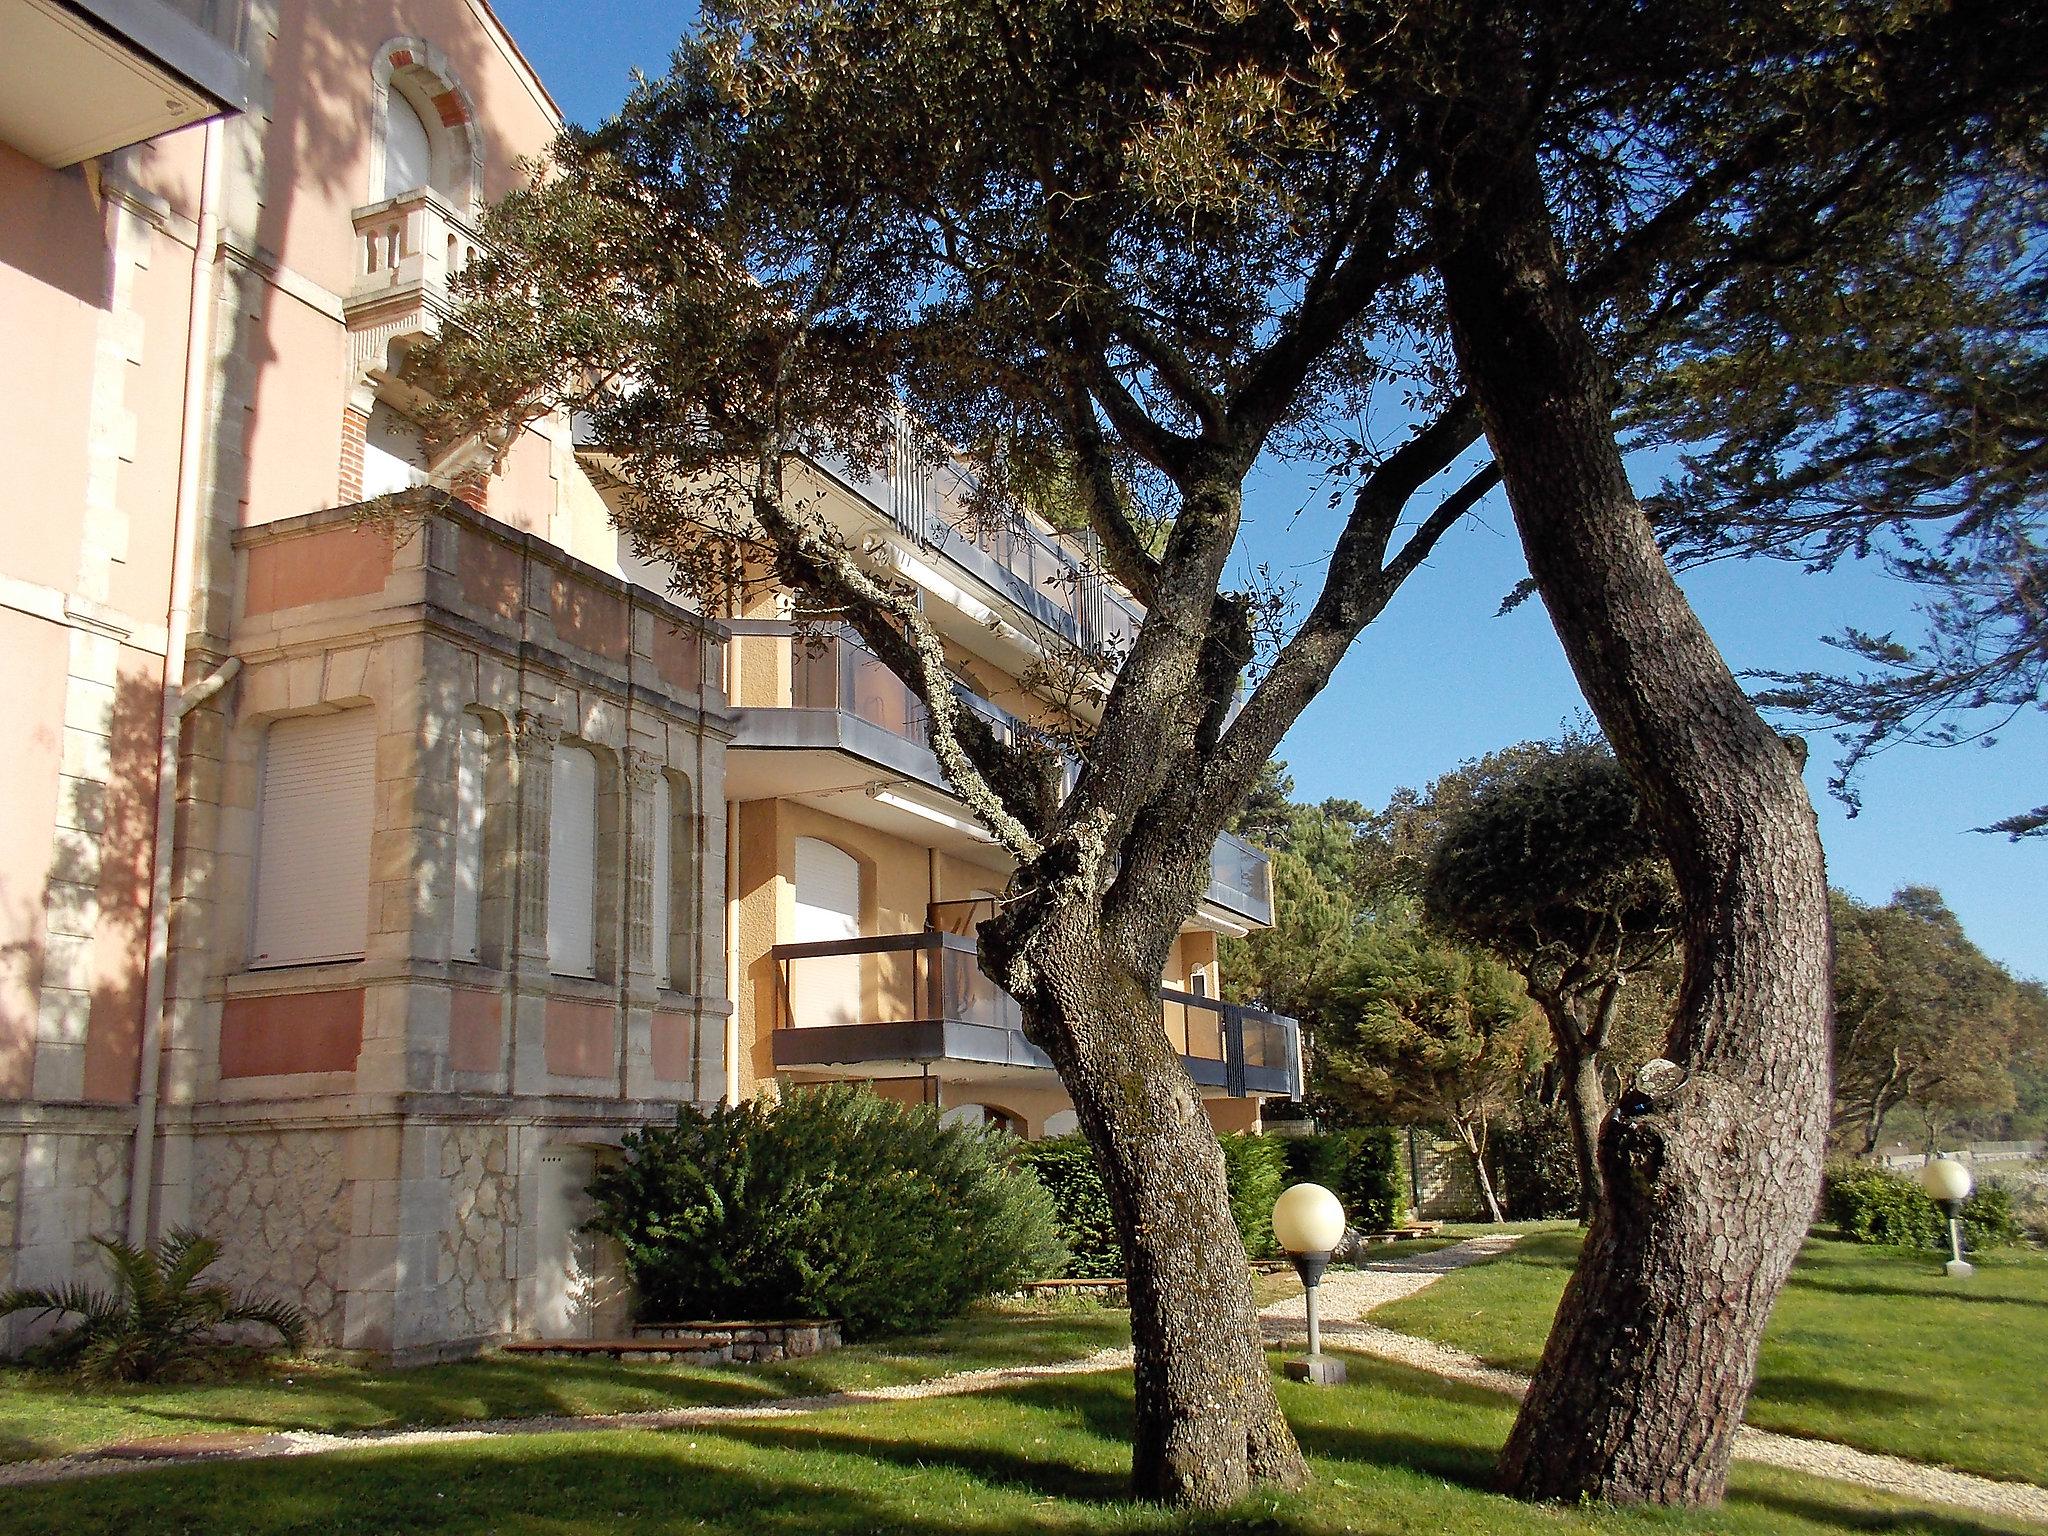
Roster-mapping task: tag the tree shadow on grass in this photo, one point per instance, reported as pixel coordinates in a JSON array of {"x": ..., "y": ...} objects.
[
  {"x": 1922, "y": 1520},
  {"x": 1863, "y": 1288},
  {"x": 1856, "y": 1400}
]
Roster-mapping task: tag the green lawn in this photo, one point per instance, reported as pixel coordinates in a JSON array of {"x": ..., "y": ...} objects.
[
  {"x": 1394, "y": 1452},
  {"x": 41, "y": 1417},
  {"x": 1874, "y": 1347}
]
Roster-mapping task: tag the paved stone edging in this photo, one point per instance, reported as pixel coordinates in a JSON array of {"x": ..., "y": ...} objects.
[{"x": 1348, "y": 1297}]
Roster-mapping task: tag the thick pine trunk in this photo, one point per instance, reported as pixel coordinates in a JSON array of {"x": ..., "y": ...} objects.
[
  {"x": 1209, "y": 1425},
  {"x": 1711, "y": 1177}
]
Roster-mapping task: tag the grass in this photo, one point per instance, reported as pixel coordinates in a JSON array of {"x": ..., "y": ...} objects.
[
  {"x": 40, "y": 1416},
  {"x": 1393, "y": 1452},
  {"x": 1870, "y": 1346}
]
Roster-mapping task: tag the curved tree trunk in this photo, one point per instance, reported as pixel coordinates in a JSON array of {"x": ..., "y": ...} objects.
[
  {"x": 1585, "y": 1104},
  {"x": 1208, "y": 1422},
  {"x": 1711, "y": 1172}
]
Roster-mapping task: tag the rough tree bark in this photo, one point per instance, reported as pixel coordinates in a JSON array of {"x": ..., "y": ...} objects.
[
  {"x": 1208, "y": 1422},
  {"x": 1711, "y": 1171}
]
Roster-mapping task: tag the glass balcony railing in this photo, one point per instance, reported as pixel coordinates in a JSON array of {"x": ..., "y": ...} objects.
[
  {"x": 899, "y": 993},
  {"x": 1062, "y": 587}
]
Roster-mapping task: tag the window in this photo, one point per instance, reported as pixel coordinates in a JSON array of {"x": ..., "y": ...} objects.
[
  {"x": 408, "y": 150},
  {"x": 664, "y": 880},
  {"x": 572, "y": 864},
  {"x": 472, "y": 760},
  {"x": 827, "y": 908},
  {"x": 313, "y": 840}
]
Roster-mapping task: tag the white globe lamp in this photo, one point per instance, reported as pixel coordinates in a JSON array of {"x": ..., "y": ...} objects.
[
  {"x": 1950, "y": 1182},
  {"x": 1308, "y": 1223}
]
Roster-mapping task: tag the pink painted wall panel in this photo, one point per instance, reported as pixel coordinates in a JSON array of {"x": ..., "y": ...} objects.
[
  {"x": 579, "y": 1039},
  {"x": 291, "y": 1033},
  {"x": 476, "y": 1033},
  {"x": 31, "y": 696}
]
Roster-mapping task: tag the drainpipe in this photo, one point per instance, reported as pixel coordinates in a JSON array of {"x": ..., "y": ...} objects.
[
  {"x": 186, "y": 519},
  {"x": 732, "y": 952}
]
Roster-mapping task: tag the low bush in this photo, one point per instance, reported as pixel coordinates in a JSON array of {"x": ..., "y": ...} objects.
[
  {"x": 1256, "y": 1169},
  {"x": 161, "y": 1321},
  {"x": 1065, "y": 1165},
  {"x": 829, "y": 1203},
  {"x": 1362, "y": 1166},
  {"x": 1876, "y": 1205},
  {"x": 1535, "y": 1171}
]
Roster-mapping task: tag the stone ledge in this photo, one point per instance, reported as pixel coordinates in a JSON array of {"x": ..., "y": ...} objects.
[{"x": 701, "y": 1343}]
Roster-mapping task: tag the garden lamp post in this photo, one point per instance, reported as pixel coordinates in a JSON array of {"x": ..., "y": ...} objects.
[
  {"x": 1949, "y": 1182},
  {"x": 1308, "y": 1222}
]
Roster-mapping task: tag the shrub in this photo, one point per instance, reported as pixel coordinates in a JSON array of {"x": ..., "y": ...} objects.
[
  {"x": 1065, "y": 1165},
  {"x": 159, "y": 1322},
  {"x": 1875, "y": 1205},
  {"x": 829, "y": 1203},
  {"x": 1362, "y": 1166},
  {"x": 1535, "y": 1171},
  {"x": 1255, "y": 1167}
]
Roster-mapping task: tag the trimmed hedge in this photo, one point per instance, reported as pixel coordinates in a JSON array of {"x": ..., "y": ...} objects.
[
  {"x": 1256, "y": 1169},
  {"x": 830, "y": 1203},
  {"x": 1535, "y": 1171},
  {"x": 1363, "y": 1167},
  {"x": 1065, "y": 1165},
  {"x": 1876, "y": 1205}
]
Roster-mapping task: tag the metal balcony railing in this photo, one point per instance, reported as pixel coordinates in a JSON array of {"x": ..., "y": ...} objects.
[{"x": 924, "y": 997}]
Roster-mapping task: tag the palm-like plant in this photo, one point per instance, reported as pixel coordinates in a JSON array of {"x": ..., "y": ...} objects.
[{"x": 158, "y": 1321}]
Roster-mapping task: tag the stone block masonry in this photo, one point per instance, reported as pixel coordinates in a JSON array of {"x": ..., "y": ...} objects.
[{"x": 706, "y": 1343}]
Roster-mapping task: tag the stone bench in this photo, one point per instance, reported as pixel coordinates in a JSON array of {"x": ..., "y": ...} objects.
[{"x": 700, "y": 1343}]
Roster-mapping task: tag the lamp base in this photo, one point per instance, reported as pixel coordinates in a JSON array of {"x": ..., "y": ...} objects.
[
  {"x": 1316, "y": 1370},
  {"x": 1958, "y": 1269}
]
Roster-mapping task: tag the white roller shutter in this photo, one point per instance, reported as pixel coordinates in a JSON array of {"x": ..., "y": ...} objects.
[
  {"x": 572, "y": 865},
  {"x": 471, "y": 749},
  {"x": 664, "y": 878},
  {"x": 825, "y": 990},
  {"x": 313, "y": 840}
]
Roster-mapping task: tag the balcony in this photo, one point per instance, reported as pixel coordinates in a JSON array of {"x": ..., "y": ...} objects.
[
  {"x": 1241, "y": 880},
  {"x": 900, "y": 1003},
  {"x": 408, "y": 250},
  {"x": 80, "y": 78},
  {"x": 1029, "y": 566}
]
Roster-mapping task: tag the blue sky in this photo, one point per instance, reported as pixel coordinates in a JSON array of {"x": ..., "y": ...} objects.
[{"x": 1440, "y": 678}]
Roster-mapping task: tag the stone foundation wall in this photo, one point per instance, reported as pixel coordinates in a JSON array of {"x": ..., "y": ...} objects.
[
  {"x": 278, "y": 1203},
  {"x": 61, "y": 1186},
  {"x": 735, "y": 1343}
]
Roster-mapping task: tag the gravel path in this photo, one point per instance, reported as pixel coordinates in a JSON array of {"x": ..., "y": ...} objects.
[
  {"x": 1348, "y": 1297},
  {"x": 271, "y": 1447}
]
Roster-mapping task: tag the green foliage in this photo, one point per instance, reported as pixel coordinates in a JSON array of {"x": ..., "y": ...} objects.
[
  {"x": 1876, "y": 1205},
  {"x": 1363, "y": 1166},
  {"x": 1923, "y": 1018},
  {"x": 1066, "y": 1166},
  {"x": 830, "y": 1203},
  {"x": 160, "y": 1322},
  {"x": 1256, "y": 1169},
  {"x": 1534, "y": 1169}
]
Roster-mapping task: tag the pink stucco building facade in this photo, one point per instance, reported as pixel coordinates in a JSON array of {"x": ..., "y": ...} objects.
[{"x": 363, "y": 880}]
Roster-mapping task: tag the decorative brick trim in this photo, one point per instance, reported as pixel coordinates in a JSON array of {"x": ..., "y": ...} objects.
[
  {"x": 355, "y": 433},
  {"x": 473, "y": 490}
]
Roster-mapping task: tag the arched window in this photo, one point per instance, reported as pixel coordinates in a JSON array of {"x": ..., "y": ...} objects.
[{"x": 408, "y": 148}]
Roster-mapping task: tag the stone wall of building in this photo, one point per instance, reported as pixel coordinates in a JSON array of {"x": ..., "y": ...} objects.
[{"x": 279, "y": 1204}]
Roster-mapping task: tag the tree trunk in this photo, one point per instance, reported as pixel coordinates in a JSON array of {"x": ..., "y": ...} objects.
[
  {"x": 1209, "y": 1425},
  {"x": 1710, "y": 1171},
  {"x": 1585, "y": 1104},
  {"x": 1476, "y": 1150}
]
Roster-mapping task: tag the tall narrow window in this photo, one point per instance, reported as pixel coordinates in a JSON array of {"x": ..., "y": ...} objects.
[
  {"x": 664, "y": 880},
  {"x": 313, "y": 840},
  {"x": 572, "y": 864},
  {"x": 408, "y": 151},
  {"x": 471, "y": 759}
]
